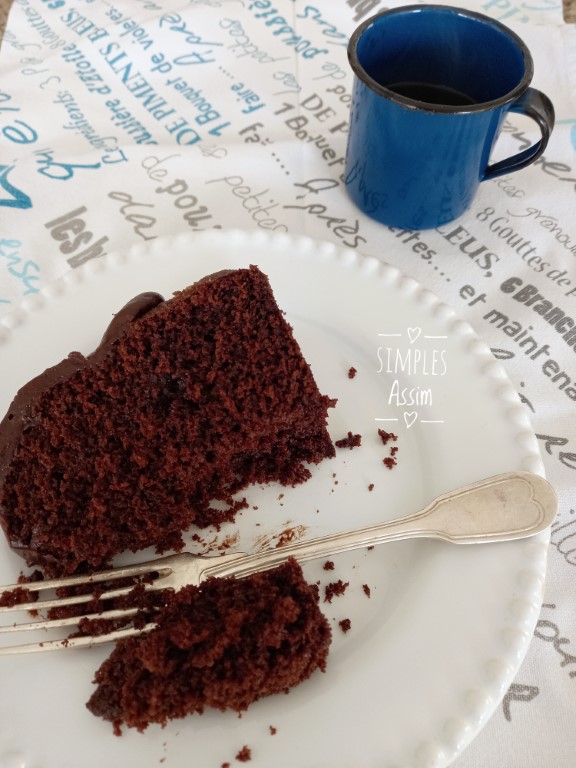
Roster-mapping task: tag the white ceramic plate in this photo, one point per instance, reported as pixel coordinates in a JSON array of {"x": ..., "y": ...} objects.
[{"x": 431, "y": 652}]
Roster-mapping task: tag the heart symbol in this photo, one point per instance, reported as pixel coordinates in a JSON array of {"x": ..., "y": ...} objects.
[
  {"x": 410, "y": 417},
  {"x": 413, "y": 334}
]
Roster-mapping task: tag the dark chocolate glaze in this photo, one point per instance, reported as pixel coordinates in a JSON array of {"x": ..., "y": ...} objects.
[{"x": 20, "y": 415}]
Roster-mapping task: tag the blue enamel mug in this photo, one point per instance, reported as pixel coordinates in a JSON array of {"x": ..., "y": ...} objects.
[{"x": 432, "y": 87}]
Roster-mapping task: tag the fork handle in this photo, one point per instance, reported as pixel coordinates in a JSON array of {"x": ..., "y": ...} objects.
[{"x": 501, "y": 508}]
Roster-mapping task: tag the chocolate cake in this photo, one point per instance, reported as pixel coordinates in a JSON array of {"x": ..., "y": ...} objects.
[
  {"x": 222, "y": 645},
  {"x": 184, "y": 403}
]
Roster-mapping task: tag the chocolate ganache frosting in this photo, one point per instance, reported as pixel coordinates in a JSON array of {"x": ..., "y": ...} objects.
[{"x": 20, "y": 414}]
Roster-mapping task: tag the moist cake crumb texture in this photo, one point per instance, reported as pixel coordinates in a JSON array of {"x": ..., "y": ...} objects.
[
  {"x": 185, "y": 402},
  {"x": 222, "y": 645}
]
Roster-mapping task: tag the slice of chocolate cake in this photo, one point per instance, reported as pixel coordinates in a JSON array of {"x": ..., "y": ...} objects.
[
  {"x": 223, "y": 645},
  {"x": 184, "y": 402}
]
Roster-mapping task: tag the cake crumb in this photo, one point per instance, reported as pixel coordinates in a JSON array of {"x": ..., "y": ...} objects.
[
  {"x": 329, "y": 565},
  {"x": 225, "y": 765},
  {"x": 10, "y": 598},
  {"x": 345, "y": 625},
  {"x": 366, "y": 590},
  {"x": 352, "y": 372},
  {"x": 273, "y": 730},
  {"x": 244, "y": 755},
  {"x": 350, "y": 441},
  {"x": 389, "y": 462},
  {"x": 386, "y": 436},
  {"x": 371, "y": 487},
  {"x": 335, "y": 589}
]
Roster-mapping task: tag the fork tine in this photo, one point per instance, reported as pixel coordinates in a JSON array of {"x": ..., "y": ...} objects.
[
  {"x": 68, "y": 621},
  {"x": 76, "y": 642}
]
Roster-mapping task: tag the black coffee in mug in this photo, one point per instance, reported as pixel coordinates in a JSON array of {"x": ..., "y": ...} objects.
[
  {"x": 430, "y": 93},
  {"x": 433, "y": 86}
]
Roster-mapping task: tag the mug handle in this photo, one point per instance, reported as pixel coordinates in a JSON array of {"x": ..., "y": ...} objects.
[{"x": 536, "y": 105}]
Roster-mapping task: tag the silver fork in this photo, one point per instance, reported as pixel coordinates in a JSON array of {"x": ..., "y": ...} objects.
[{"x": 501, "y": 508}]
